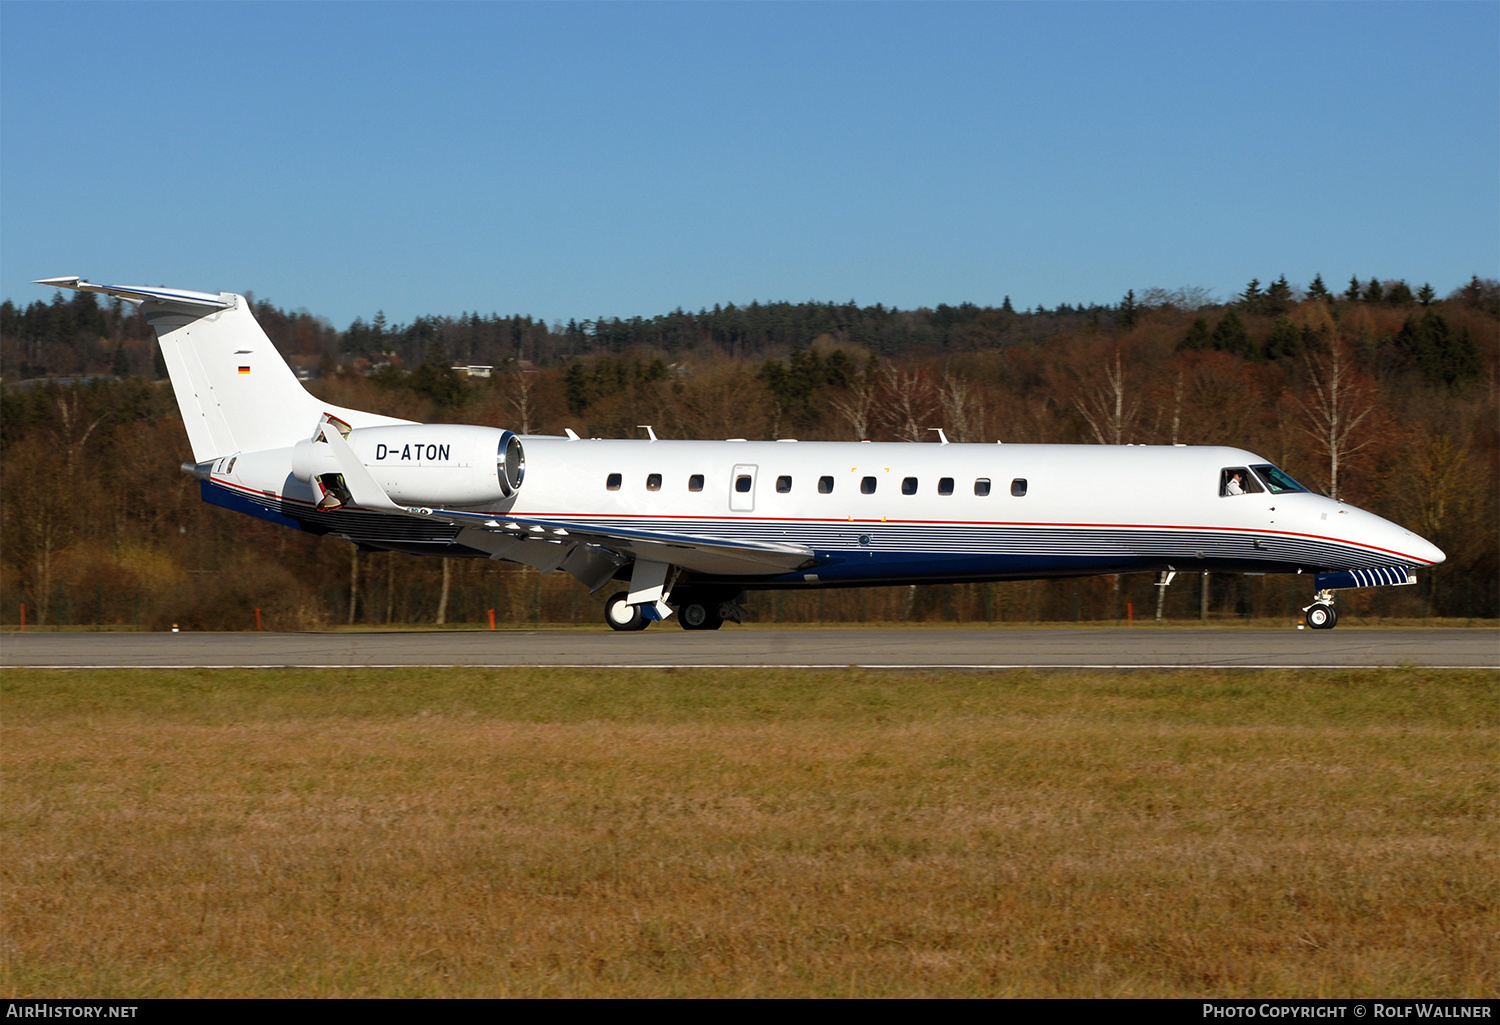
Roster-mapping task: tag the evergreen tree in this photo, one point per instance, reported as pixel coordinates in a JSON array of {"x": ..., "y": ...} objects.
[
  {"x": 1252, "y": 297},
  {"x": 1373, "y": 293},
  {"x": 576, "y": 386},
  {"x": 1317, "y": 290},
  {"x": 1231, "y": 336},
  {"x": 1284, "y": 340},
  {"x": 1442, "y": 356},
  {"x": 1006, "y": 306},
  {"x": 435, "y": 379},
  {"x": 119, "y": 363},
  {"x": 1129, "y": 312},
  {"x": 1198, "y": 337},
  {"x": 356, "y": 340},
  {"x": 1314, "y": 340},
  {"x": 1351, "y": 294},
  {"x": 1480, "y": 294},
  {"x": 1400, "y": 294},
  {"x": 1278, "y": 296},
  {"x": 1425, "y": 295}
]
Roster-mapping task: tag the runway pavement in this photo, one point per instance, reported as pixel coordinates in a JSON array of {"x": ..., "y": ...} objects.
[{"x": 666, "y": 646}]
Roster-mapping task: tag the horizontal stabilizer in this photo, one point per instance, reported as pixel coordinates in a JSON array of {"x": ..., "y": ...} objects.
[
  {"x": 137, "y": 295},
  {"x": 1383, "y": 576}
]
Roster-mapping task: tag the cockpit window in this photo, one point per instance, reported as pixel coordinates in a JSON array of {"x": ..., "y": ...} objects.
[
  {"x": 1237, "y": 480},
  {"x": 1276, "y": 481}
]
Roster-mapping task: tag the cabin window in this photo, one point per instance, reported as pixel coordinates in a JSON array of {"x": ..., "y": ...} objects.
[
  {"x": 1275, "y": 480},
  {"x": 612, "y": 482},
  {"x": 743, "y": 482},
  {"x": 825, "y": 485},
  {"x": 695, "y": 482},
  {"x": 1018, "y": 487},
  {"x": 982, "y": 487},
  {"x": 653, "y": 482},
  {"x": 783, "y": 485},
  {"x": 867, "y": 486},
  {"x": 909, "y": 485},
  {"x": 945, "y": 486},
  {"x": 1237, "y": 480}
]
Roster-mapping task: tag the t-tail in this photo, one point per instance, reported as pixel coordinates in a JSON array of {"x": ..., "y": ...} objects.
[{"x": 236, "y": 392}]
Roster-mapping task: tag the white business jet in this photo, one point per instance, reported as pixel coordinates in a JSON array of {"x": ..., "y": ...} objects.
[{"x": 692, "y": 526}]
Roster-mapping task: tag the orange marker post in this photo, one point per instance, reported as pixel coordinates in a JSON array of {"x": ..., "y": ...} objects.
[
  {"x": 492, "y": 619},
  {"x": 257, "y": 620},
  {"x": 1129, "y": 614},
  {"x": 23, "y": 617}
]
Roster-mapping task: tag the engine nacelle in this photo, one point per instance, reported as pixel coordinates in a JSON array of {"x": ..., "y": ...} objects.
[{"x": 427, "y": 464}]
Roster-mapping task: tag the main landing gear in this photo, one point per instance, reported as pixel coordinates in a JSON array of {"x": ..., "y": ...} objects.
[
  {"x": 621, "y": 615},
  {"x": 1321, "y": 615},
  {"x": 695, "y": 611},
  {"x": 699, "y": 615}
]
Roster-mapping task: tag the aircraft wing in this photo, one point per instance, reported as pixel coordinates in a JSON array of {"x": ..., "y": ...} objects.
[{"x": 698, "y": 553}]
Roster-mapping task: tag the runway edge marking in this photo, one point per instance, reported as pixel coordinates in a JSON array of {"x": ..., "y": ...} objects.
[{"x": 745, "y": 665}]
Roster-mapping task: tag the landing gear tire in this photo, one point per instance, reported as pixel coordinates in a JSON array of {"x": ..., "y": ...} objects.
[
  {"x": 699, "y": 615},
  {"x": 1322, "y": 617},
  {"x": 621, "y": 615}
]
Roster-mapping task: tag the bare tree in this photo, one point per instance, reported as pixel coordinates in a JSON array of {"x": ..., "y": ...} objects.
[
  {"x": 721, "y": 401},
  {"x": 907, "y": 405},
  {"x": 1106, "y": 405},
  {"x": 856, "y": 404},
  {"x": 961, "y": 408},
  {"x": 1439, "y": 489},
  {"x": 1339, "y": 401},
  {"x": 74, "y": 434},
  {"x": 353, "y": 582},
  {"x": 1219, "y": 399},
  {"x": 42, "y": 482},
  {"x": 442, "y": 609},
  {"x": 523, "y": 382},
  {"x": 1176, "y": 410}
]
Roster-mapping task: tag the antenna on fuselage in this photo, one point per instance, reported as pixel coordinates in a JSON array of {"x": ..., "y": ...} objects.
[
  {"x": 648, "y": 430},
  {"x": 943, "y": 438}
]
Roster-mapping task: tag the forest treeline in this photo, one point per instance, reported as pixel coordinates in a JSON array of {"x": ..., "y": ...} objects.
[{"x": 1378, "y": 393}]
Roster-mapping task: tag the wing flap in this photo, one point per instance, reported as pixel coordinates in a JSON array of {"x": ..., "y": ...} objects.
[{"x": 694, "y": 552}]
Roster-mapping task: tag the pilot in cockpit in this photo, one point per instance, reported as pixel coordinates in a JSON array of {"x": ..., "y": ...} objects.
[{"x": 1234, "y": 483}]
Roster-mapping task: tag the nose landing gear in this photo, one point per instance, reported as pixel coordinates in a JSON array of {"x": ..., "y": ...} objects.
[{"x": 1321, "y": 615}]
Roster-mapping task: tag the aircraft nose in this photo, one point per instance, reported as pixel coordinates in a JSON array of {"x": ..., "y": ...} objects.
[
  {"x": 1425, "y": 550},
  {"x": 1416, "y": 547},
  {"x": 1408, "y": 545}
]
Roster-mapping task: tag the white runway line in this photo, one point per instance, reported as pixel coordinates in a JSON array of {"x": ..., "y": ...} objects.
[{"x": 747, "y": 665}]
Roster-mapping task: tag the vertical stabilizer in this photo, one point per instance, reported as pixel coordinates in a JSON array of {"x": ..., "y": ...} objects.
[{"x": 235, "y": 391}]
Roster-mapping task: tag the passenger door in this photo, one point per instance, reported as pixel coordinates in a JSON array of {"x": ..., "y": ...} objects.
[{"x": 742, "y": 488}]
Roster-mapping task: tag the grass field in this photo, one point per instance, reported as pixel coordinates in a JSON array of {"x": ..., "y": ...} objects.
[{"x": 596, "y": 833}]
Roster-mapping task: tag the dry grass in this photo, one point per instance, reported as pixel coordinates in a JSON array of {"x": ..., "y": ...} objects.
[{"x": 534, "y": 832}]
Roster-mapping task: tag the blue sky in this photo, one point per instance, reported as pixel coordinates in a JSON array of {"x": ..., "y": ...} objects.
[{"x": 578, "y": 160}]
